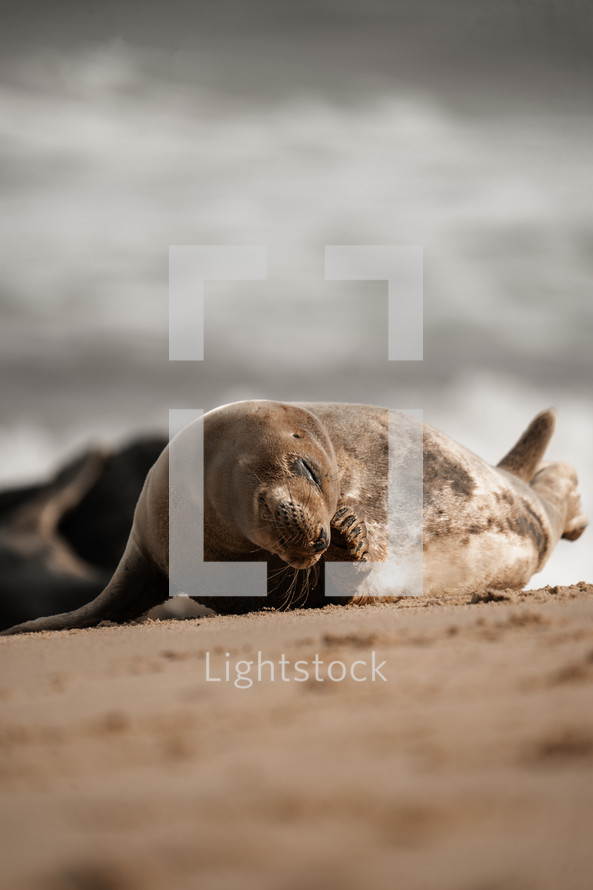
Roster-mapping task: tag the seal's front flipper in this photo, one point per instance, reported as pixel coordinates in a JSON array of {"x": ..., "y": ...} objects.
[
  {"x": 349, "y": 532},
  {"x": 136, "y": 587},
  {"x": 524, "y": 458}
]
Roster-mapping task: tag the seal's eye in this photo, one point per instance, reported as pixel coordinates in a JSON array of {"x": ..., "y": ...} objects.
[
  {"x": 297, "y": 436},
  {"x": 302, "y": 468}
]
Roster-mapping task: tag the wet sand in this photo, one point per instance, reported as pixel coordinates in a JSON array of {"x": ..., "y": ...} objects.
[{"x": 469, "y": 767}]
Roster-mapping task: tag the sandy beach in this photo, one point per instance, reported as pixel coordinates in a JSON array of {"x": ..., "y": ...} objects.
[
  {"x": 426, "y": 744},
  {"x": 129, "y": 761}
]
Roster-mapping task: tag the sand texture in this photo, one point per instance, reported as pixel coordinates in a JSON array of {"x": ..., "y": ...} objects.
[{"x": 470, "y": 767}]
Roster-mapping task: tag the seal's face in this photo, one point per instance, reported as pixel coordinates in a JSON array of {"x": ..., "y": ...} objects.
[
  {"x": 286, "y": 482},
  {"x": 294, "y": 511}
]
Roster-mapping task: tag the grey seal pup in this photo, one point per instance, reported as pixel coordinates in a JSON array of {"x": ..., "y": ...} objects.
[{"x": 296, "y": 485}]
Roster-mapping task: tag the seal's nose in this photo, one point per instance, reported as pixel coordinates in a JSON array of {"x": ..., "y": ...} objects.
[{"x": 322, "y": 542}]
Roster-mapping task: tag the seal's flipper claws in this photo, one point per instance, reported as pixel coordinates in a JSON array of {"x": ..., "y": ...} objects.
[{"x": 353, "y": 531}]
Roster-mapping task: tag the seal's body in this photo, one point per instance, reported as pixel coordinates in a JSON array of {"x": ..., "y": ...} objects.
[{"x": 298, "y": 484}]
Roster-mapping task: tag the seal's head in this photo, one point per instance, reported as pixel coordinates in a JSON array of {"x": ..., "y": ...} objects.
[{"x": 283, "y": 486}]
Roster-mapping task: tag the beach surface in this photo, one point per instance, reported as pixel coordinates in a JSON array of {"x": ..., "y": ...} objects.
[{"x": 456, "y": 752}]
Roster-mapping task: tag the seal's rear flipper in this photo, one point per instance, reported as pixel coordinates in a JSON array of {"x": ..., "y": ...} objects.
[
  {"x": 524, "y": 458},
  {"x": 136, "y": 587}
]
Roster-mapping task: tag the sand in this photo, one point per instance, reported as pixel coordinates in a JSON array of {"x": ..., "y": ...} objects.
[{"x": 469, "y": 767}]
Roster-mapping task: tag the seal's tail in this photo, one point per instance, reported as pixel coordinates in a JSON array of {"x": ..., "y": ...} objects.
[
  {"x": 524, "y": 458},
  {"x": 136, "y": 587}
]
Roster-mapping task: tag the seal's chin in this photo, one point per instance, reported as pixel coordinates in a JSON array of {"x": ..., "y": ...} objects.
[
  {"x": 294, "y": 556},
  {"x": 300, "y": 562}
]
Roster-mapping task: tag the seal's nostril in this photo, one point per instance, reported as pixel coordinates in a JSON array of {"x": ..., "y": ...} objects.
[{"x": 321, "y": 543}]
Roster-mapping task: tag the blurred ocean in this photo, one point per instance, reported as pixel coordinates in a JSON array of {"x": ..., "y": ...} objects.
[{"x": 112, "y": 148}]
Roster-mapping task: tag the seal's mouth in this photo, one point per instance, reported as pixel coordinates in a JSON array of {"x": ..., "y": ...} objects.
[
  {"x": 297, "y": 563},
  {"x": 292, "y": 534},
  {"x": 304, "y": 556}
]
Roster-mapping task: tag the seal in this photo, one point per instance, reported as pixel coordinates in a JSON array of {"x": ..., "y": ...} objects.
[
  {"x": 298, "y": 485},
  {"x": 61, "y": 539}
]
